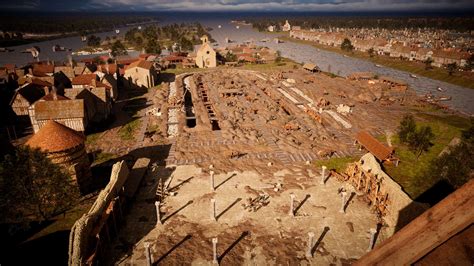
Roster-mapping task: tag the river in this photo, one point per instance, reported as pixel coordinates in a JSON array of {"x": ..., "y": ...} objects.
[{"x": 462, "y": 98}]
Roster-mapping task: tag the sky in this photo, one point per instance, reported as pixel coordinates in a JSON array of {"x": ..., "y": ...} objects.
[{"x": 237, "y": 5}]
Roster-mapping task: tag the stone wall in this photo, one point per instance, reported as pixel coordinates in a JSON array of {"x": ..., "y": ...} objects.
[{"x": 82, "y": 240}]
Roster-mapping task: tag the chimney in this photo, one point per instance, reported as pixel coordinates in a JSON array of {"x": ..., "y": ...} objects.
[
  {"x": 54, "y": 92},
  {"x": 69, "y": 58},
  {"x": 107, "y": 67}
]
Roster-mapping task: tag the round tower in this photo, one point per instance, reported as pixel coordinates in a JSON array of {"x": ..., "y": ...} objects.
[{"x": 65, "y": 147}]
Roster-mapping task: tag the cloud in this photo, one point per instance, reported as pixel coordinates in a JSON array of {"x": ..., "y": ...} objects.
[
  {"x": 286, "y": 5},
  {"x": 238, "y": 5}
]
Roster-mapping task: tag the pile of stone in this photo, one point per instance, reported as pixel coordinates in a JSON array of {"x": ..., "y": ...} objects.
[{"x": 254, "y": 204}]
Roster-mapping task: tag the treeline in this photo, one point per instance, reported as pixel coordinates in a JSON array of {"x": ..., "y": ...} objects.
[
  {"x": 461, "y": 24},
  {"x": 153, "y": 38},
  {"x": 69, "y": 22}
]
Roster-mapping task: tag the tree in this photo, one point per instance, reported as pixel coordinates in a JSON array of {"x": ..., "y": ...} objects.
[
  {"x": 278, "y": 56},
  {"x": 32, "y": 188},
  {"x": 451, "y": 68},
  {"x": 428, "y": 63},
  {"x": 470, "y": 63},
  {"x": 420, "y": 141},
  {"x": 407, "y": 128},
  {"x": 346, "y": 45},
  {"x": 186, "y": 44},
  {"x": 153, "y": 47},
  {"x": 118, "y": 49},
  {"x": 371, "y": 52},
  {"x": 230, "y": 57},
  {"x": 457, "y": 165},
  {"x": 138, "y": 40},
  {"x": 93, "y": 41}
]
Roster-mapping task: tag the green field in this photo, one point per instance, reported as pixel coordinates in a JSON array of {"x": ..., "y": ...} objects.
[
  {"x": 410, "y": 172},
  {"x": 464, "y": 79}
]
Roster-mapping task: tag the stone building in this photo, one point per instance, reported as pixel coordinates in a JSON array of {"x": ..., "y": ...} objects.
[
  {"x": 65, "y": 147},
  {"x": 287, "y": 26},
  {"x": 141, "y": 73},
  {"x": 206, "y": 56}
]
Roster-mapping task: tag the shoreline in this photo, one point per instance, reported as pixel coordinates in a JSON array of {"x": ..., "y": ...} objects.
[
  {"x": 388, "y": 62},
  {"x": 53, "y": 36}
]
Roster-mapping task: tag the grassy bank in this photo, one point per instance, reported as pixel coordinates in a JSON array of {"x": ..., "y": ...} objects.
[
  {"x": 284, "y": 64},
  {"x": 464, "y": 79},
  {"x": 338, "y": 164},
  {"x": 127, "y": 132},
  {"x": 410, "y": 173}
]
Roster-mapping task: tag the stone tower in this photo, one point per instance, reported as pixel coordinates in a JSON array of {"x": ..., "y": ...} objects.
[{"x": 65, "y": 147}]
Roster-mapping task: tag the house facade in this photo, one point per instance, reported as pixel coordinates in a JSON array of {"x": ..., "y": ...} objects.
[
  {"x": 140, "y": 73},
  {"x": 206, "y": 56}
]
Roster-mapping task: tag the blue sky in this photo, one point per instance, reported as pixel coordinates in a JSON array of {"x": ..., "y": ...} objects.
[{"x": 236, "y": 5}]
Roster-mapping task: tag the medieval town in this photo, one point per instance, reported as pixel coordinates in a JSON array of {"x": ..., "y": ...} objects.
[{"x": 177, "y": 146}]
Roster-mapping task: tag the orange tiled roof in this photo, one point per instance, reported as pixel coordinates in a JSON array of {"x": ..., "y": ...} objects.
[
  {"x": 43, "y": 68},
  {"x": 55, "y": 137},
  {"x": 374, "y": 146},
  {"x": 84, "y": 79},
  {"x": 141, "y": 64}
]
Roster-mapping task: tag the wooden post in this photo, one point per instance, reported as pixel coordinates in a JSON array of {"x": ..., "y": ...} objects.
[{"x": 428, "y": 231}]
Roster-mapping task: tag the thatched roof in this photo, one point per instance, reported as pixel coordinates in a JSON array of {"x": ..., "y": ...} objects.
[{"x": 55, "y": 137}]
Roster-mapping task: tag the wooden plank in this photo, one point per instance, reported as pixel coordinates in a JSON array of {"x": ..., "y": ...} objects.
[{"x": 427, "y": 231}]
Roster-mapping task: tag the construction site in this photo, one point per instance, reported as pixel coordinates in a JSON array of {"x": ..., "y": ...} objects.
[{"x": 244, "y": 181}]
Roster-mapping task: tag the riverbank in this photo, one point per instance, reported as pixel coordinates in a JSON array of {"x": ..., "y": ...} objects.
[{"x": 464, "y": 79}]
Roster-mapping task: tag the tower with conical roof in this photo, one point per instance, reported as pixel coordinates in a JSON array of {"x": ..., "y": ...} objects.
[{"x": 65, "y": 147}]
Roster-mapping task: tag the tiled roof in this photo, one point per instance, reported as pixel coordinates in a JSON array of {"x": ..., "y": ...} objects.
[
  {"x": 45, "y": 110},
  {"x": 30, "y": 92},
  {"x": 55, "y": 137},
  {"x": 44, "y": 68},
  {"x": 40, "y": 82},
  {"x": 84, "y": 79},
  {"x": 379, "y": 150},
  {"x": 141, "y": 64}
]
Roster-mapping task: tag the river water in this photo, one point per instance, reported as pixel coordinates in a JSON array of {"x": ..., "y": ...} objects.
[{"x": 462, "y": 98}]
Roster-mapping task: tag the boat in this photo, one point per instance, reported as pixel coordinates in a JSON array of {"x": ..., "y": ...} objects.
[
  {"x": 3, "y": 49},
  {"x": 445, "y": 98},
  {"x": 117, "y": 31},
  {"x": 276, "y": 40},
  {"x": 413, "y": 76},
  {"x": 139, "y": 27},
  {"x": 237, "y": 27},
  {"x": 439, "y": 89},
  {"x": 265, "y": 40},
  {"x": 219, "y": 26},
  {"x": 377, "y": 65},
  {"x": 58, "y": 48},
  {"x": 34, "y": 51},
  {"x": 345, "y": 55},
  {"x": 83, "y": 38}
]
